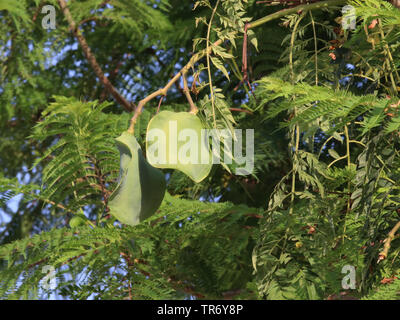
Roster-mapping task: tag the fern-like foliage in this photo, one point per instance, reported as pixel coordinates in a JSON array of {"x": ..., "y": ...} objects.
[
  {"x": 321, "y": 103},
  {"x": 18, "y": 11},
  {"x": 127, "y": 17},
  {"x": 324, "y": 107},
  {"x": 385, "y": 292},
  {"x": 82, "y": 164},
  {"x": 205, "y": 246}
]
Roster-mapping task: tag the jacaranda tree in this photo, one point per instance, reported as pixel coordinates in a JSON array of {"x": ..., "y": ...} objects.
[{"x": 227, "y": 149}]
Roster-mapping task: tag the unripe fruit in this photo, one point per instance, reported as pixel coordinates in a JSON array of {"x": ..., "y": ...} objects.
[
  {"x": 180, "y": 142},
  {"x": 141, "y": 187}
]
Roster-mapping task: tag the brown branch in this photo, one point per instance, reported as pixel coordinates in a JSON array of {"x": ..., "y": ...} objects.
[
  {"x": 241, "y": 110},
  {"x": 159, "y": 103},
  {"x": 92, "y": 59},
  {"x": 35, "y": 15},
  {"x": 163, "y": 91},
  {"x": 186, "y": 91},
  {"x": 229, "y": 295},
  {"x": 37, "y": 263},
  {"x": 64, "y": 263},
  {"x": 384, "y": 253},
  {"x": 245, "y": 79},
  {"x": 96, "y": 19}
]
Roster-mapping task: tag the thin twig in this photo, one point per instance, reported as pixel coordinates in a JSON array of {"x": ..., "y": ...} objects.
[
  {"x": 245, "y": 79},
  {"x": 241, "y": 110},
  {"x": 159, "y": 103},
  {"x": 208, "y": 51},
  {"x": 186, "y": 91},
  {"x": 39, "y": 8},
  {"x": 383, "y": 255}
]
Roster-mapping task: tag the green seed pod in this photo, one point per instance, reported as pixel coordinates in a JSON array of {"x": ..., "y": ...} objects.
[
  {"x": 141, "y": 187},
  {"x": 177, "y": 140}
]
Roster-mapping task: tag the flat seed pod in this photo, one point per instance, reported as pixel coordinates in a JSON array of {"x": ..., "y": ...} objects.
[
  {"x": 141, "y": 187},
  {"x": 177, "y": 140}
]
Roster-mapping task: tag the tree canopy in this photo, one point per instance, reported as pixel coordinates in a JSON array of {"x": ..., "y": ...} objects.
[{"x": 316, "y": 83}]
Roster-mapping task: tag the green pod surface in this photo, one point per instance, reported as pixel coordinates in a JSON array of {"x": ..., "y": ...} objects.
[
  {"x": 171, "y": 137},
  {"x": 141, "y": 187}
]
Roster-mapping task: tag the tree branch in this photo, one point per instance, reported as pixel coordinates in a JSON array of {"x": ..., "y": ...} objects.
[
  {"x": 92, "y": 59},
  {"x": 39, "y": 8},
  {"x": 388, "y": 241},
  {"x": 163, "y": 91}
]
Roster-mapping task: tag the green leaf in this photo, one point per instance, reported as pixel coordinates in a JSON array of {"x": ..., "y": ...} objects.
[
  {"x": 337, "y": 136},
  {"x": 333, "y": 153},
  {"x": 218, "y": 64},
  {"x": 252, "y": 38}
]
